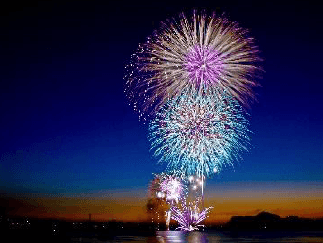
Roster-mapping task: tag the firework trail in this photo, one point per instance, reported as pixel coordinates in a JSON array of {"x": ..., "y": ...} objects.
[
  {"x": 202, "y": 53},
  {"x": 197, "y": 135}
]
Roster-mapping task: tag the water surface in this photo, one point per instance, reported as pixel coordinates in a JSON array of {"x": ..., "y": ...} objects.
[{"x": 210, "y": 237}]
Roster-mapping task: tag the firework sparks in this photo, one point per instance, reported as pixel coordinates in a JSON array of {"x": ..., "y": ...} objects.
[
  {"x": 189, "y": 216},
  {"x": 198, "y": 135},
  {"x": 201, "y": 53},
  {"x": 196, "y": 183},
  {"x": 172, "y": 188},
  {"x": 167, "y": 186},
  {"x": 203, "y": 65}
]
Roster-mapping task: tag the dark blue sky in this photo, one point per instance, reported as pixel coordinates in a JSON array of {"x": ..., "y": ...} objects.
[{"x": 66, "y": 126}]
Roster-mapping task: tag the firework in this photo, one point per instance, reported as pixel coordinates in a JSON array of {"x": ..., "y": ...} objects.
[
  {"x": 172, "y": 188},
  {"x": 169, "y": 187},
  {"x": 189, "y": 216},
  {"x": 202, "y": 53},
  {"x": 198, "y": 135}
]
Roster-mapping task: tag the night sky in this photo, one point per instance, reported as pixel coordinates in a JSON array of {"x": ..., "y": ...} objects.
[{"x": 71, "y": 144}]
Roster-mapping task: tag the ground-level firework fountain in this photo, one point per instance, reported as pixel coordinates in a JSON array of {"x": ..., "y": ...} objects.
[
  {"x": 189, "y": 215},
  {"x": 181, "y": 200}
]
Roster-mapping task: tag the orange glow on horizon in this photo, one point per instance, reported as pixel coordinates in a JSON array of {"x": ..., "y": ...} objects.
[
  {"x": 134, "y": 209},
  {"x": 236, "y": 199}
]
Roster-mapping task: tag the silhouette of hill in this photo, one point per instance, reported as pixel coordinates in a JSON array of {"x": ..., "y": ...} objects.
[{"x": 270, "y": 221}]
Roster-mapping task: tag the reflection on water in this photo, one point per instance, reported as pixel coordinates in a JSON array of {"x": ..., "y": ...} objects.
[
  {"x": 210, "y": 237},
  {"x": 217, "y": 237},
  {"x": 181, "y": 237}
]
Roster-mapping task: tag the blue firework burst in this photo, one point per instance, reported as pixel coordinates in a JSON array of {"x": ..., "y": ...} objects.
[{"x": 199, "y": 134}]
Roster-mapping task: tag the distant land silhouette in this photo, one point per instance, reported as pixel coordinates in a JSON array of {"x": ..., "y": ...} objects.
[
  {"x": 21, "y": 228},
  {"x": 270, "y": 221}
]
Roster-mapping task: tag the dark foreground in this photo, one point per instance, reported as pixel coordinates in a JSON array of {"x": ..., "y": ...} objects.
[
  {"x": 261, "y": 228},
  {"x": 215, "y": 236}
]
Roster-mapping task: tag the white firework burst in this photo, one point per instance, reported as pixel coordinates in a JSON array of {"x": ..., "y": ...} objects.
[{"x": 202, "y": 53}]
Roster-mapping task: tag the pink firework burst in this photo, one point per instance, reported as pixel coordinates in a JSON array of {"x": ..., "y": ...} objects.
[
  {"x": 168, "y": 187},
  {"x": 172, "y": 187},
  {"x": 204, "y": 65}
]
